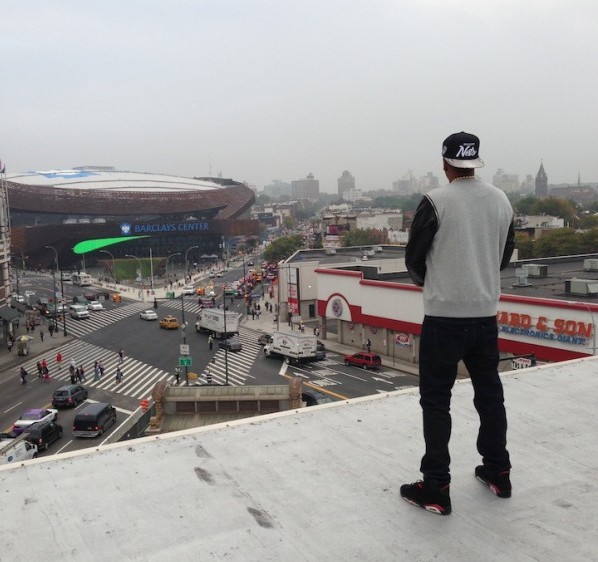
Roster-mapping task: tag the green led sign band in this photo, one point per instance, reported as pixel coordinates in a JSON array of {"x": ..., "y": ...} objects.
[{"x": 98, "y": 243}]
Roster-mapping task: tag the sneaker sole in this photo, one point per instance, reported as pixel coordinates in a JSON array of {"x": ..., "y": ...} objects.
[
  {"x": 495, "y": 489},
  {"x": 432, "y": 508}
]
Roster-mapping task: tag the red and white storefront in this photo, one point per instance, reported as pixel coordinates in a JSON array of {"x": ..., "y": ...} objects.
[{"x": 390, "y": 316}]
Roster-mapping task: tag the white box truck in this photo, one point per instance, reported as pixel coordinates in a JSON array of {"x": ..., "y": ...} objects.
[
  {"x": 212, "y": 320},
  {"x": 294, "y": 347},
  {"x": 16, "y": 450}
]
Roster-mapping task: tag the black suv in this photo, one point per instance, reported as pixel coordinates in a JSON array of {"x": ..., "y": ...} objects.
[
  {"x": 68, "y": 395},
  {"x": 43, "y": 434}
]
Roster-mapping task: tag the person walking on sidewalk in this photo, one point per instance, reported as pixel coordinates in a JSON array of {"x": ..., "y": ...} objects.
[
  {"x": 41, "y": 334},
  {"x": 461, "y": 237}
]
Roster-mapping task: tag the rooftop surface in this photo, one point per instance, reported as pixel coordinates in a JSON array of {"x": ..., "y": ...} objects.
[
  {"x": 322, "y": 484},
  {"x": 111, "y": 181}
]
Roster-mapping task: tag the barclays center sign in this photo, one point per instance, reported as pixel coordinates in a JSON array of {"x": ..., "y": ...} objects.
[{"x": 128, "y": 229}]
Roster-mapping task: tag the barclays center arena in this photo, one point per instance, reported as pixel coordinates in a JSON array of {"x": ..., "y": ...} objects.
[{"x": 200, "y": 218}]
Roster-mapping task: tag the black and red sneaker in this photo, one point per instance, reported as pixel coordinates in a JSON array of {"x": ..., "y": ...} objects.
[
  {"x": 498, "y": 482},
  {"x": 435, "y": 499}
]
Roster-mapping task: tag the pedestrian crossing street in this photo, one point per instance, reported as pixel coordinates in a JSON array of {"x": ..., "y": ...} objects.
[
  {"x": 100, "y": 318},
  {"x": 139, "y": 377}
]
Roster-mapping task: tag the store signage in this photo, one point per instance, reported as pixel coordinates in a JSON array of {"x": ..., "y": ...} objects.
[{"x": 560, "y": 329}]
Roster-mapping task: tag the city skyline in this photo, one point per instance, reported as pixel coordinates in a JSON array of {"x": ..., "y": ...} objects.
[{"x": 256, "y": 90}]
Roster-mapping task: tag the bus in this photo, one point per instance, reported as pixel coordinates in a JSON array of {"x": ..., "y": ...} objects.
[{"x": 82, "y": 279}]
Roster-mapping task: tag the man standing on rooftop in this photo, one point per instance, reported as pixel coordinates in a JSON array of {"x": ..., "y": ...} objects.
[{"x": 462, "y": 236}]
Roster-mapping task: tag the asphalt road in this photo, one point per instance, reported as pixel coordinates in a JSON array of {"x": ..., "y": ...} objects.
[{"x": 152, "y": 353}]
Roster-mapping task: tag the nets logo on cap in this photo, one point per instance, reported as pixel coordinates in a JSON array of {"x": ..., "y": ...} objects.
[{"x": 461, "y": 150}]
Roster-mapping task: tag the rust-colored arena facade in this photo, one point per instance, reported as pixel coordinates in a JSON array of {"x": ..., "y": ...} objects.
[{"x": 166, "y": 214}]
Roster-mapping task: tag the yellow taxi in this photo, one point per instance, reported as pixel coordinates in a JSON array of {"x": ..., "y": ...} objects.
[
  {"x": 200, "y": 291},
  {"x": 169, "y": 323},
  {"x": 116, "y": 297}
]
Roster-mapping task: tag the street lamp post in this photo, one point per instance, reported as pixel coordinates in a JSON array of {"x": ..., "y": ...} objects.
[
  {"x": 171, "y": 256},
  {"x": 184, "y": 330},
  {"x": 61, "y": 289},
  {"x": 138, "y": 261},
  {"x": 113, "y": 265},
  {"x": 186, "y": 256},
  {"x": 55, "y": 256}
]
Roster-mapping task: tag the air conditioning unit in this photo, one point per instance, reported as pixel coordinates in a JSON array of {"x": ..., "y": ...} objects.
[
  {"x": 536, "y": 270},
  {"x": 521, "y": 276},
  {"x": 590, "y": 265},
  {"x": 581, "y": 287}
]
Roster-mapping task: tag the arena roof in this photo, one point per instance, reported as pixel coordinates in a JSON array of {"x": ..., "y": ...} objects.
[{"x": 111, "y": 180}]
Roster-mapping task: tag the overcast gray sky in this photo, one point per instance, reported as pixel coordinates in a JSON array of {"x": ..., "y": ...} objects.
[{"x": 264, "y": 89}]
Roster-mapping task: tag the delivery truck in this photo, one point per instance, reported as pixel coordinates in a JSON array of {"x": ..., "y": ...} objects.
[
  {"x": 16, "y": 450},
  {"x": 294, "y": 347},
  {"x": 217, "y": 322}
]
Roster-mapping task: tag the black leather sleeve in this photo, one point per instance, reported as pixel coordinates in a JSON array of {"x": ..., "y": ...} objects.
[
  {"x": 509, "y": 247},
  {"x": 421, "y": 236}
]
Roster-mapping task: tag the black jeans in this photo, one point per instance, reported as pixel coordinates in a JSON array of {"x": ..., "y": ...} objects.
[{"x": 444, "y": 342}]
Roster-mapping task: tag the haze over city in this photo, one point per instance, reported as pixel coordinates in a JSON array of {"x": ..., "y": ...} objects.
[{"x": 259, "y": 90}]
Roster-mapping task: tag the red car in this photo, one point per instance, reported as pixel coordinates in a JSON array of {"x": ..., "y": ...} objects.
[{"x": 364, "y": 360}]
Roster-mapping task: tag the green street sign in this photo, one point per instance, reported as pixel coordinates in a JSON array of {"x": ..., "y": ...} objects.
[{"x": 185, "y": 361}]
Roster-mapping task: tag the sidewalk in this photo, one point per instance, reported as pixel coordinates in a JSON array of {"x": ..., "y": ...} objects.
[{"x": 10, "y": 362}]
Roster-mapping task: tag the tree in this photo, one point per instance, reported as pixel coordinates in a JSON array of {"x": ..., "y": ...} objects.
[
  {"x": 358, "y": 237},
  {"x": 524, "y": 245},
  {"x": 283, "y": 247}
]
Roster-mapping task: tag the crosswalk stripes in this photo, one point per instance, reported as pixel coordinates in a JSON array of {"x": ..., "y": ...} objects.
[
  {"x": 138, "y": 381},
  {"x": 100, "y": 319},
  {"x": 191, "y": 306},
  {"x": 237, "y": 364}
]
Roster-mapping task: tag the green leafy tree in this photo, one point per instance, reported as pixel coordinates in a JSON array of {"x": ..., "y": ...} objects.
[
  {"x": 524, "y": 245},
  {"x": 358, "y": 238},
  {"x": 283, "y": 247}
]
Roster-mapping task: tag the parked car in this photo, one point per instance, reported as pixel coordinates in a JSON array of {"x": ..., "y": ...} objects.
[
  {"x": 95, "y": 305},
  {"x": 169, "y": 323},
  {"x": 264, "y": 339},
  {"x": 364, "y": 360},
  {"x": 189, "y": 290},
  {"x": 43, "y": 434},
  {"x": 69, "y": 395},
  {"x": 232, "y": 344},
  {"x": 148, "y": 315},
  {"x": 29, "y": 417},
  {"x": 313, "y": 397}
]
